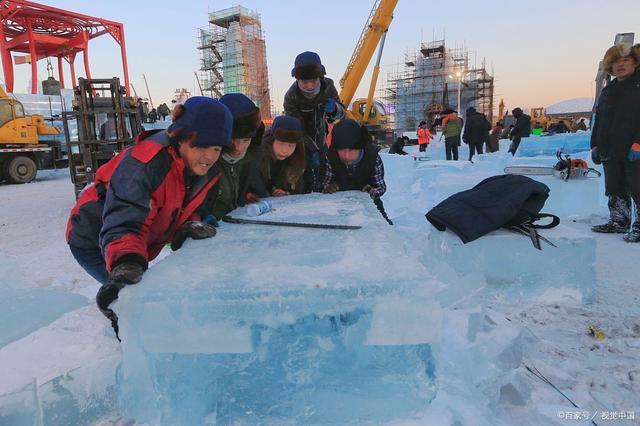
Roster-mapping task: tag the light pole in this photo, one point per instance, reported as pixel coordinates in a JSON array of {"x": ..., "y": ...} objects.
[{"x": 459, "y": 76}]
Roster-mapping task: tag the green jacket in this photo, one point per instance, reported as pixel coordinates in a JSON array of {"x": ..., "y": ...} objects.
[
  {"x": 453, "y": 127},
  {"x": 229, "y": 187}
]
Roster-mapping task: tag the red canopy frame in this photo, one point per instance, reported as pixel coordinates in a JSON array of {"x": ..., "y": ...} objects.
[{"x": 43, "y": 32}]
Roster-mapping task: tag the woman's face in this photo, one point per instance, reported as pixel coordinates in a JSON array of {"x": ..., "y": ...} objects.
[
  {"x": 624, "y": 67},
  {"x": 197, "y": 159},
  {"x": 283, "y": 150}
]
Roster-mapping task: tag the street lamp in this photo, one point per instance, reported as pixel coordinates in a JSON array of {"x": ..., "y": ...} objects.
[{"x": 459, "y": 76}]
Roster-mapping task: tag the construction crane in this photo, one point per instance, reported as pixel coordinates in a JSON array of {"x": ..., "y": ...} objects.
[{"x": 373, "y": 34}]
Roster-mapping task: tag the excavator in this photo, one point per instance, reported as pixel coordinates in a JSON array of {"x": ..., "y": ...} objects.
[
  {"x": 21, "y": 153},
  {"x": 368, "y": 111}
]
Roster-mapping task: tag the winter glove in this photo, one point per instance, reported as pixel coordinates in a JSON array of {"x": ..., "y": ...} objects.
[
  {"x": 634, "y": 152},
  {"x": 330, "y": 106},
  {"x": 192, "y": 229},
  {"x": 277, "y": 192},
  {"x": 369, "y": 189},
  {"x": 315, "y": 160},
  {"x": 595, "y": 157},
  {"x": 331, "y": 188}
]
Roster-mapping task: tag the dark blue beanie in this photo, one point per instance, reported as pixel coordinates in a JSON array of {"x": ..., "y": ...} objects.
[
  {"x": 238, "y": 104},
  {"x": 349, "y": 134},
  {"x": 307, "y": 66},
  {"x": 286, "y": 128},
  {"x": 209, "y": 118}
]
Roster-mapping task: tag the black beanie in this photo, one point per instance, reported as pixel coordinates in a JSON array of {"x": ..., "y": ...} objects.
[{"x": 349, "y": 134}]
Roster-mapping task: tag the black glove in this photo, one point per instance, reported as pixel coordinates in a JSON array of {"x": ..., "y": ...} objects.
[{"x": 192, "y": 229}]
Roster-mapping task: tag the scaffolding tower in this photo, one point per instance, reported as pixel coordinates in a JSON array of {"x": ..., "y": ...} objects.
[
  {"x": 429, "y": 83},
  {"x": 233, "y": 56}
]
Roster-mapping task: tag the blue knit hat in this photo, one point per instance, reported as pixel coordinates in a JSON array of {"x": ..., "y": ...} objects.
[
  {"x": 349, "y": 134},
  {"x": 308, "y": 66},
  {"x": 209, "y": 118},
  {"x": 286, "y": 128},
  {"x": 246, "y": 115}
]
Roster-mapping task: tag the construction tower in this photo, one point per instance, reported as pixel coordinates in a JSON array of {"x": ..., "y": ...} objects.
[
  {"x": 432, "y": 80},
  {"x": 233, "y": 56}
]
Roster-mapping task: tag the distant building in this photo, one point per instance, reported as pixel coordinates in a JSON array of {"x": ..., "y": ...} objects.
[{"x": 233, "y": 56}]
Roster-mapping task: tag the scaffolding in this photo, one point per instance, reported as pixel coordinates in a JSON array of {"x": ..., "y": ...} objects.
[
  {"x": 429, "y": 83},
  {"x": 233, "y": 56}
]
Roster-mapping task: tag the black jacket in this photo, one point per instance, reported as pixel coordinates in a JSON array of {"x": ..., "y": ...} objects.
[
  {"x": 311, "y": 112},
  {"x": 476, "y": 130},
  {"x": 397, "y": 147},
  {"x": 617, "y": 120},
  {"x": 522, "y": 128},
  {"x": 495, "y": 202},
  {"x": 353, "y": 179}
]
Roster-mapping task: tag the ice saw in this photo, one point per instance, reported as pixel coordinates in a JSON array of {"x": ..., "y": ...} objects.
[{"x": 565, "y": 169}]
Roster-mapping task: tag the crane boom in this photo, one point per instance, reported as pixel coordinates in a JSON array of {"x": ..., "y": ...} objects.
[{"x": 377, "y": 24}]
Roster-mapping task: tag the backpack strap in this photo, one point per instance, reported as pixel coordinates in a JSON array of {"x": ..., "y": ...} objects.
[{"x": 555, "y": 221}]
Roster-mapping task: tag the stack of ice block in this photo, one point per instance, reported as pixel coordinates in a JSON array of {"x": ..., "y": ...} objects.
[{"x": 265, "y": 324}]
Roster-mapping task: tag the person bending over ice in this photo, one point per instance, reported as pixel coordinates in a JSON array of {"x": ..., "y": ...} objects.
[{"x": 353, "y": 163}]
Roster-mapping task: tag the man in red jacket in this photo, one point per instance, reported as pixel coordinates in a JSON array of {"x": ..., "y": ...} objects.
[{"x": 148, "y": 195}]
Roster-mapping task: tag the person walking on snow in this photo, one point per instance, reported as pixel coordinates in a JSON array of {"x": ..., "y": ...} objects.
[
  {"x": 615, "y": 140},
  {"x": 313, "y": 99},
  {"x": 424, "y": 136},
  {"x": 147, "y": 196},
  {"x": 451, "y": 129},
  {"x": 476, "y": 131}
]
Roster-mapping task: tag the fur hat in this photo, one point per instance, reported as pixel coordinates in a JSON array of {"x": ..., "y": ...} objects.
[
  {"x": 246, "y": 115},
  {"x": 286, "y": 128},
  {"x": 349, "y": 134},
  {"x": 308, "y": 66},
  {"x": 516, "y": 112},
  {"x": 208, "y": 118},
  {"x": 618, "y": 51}
]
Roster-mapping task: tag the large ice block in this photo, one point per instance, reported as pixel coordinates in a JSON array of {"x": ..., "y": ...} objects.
[
  {"x": 24, "y": 308},
  {"x": 283, "y": 325},
  {"x": 548, "y": 145},
  {"x": 514, "y": 268}
]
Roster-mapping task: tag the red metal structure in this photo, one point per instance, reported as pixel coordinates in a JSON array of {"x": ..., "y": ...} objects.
[{"x": 43, "y": 32}]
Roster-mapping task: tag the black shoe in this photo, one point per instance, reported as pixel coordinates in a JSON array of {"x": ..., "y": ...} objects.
[
  {"x": 611, "y": 228},
  {"x": 634, "y": 235}
]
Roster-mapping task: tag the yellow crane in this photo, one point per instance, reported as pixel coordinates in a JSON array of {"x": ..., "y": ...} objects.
[{"x": 367, "y": 111}]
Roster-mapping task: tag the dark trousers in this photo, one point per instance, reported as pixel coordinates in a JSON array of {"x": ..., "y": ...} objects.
[
  {"x": 475, "y": 147},
  {"x": 515, "y": 143},
  {"x": 451, "y": 145},
  {"x": 91, "y": 261},
  {"x": 622, "y": 179},
  {"x": 423, "y": 147}
]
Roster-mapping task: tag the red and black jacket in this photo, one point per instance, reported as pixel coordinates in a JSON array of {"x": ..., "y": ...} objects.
[{"x": 137, "y": 201}]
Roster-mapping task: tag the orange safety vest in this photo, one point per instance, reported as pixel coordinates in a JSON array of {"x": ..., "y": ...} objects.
[{"x": 424, "y": 136}]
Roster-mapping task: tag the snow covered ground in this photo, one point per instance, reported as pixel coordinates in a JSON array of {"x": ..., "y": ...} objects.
[{"x": 58, "y": 353}]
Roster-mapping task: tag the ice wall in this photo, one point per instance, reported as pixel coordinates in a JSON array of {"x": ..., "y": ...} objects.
[{"x": 283, "y": 325}]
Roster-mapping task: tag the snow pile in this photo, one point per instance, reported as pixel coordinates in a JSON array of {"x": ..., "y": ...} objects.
[{"x": 570, "y": 106}]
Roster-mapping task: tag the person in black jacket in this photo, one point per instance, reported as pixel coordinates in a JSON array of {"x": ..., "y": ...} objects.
[
  {"x": 313, "y": 99},
  {"x": 353, "y": 163},
  {"x": 398, "y": 146},
  {"x": 476, "y": 131},
  {"x": 522, "y": 129},
  {"x": 615, "y": 140}
]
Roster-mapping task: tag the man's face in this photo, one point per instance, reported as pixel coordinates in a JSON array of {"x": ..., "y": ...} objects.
[
  {"x": 240, "y": 146},
  {"x": 624, "y": 67},
  {"x": 348, "y": 156},
  {"x": 308, "y": 85},
  {"x": 199, "y": 160},
  {"x": 283, "y": 150}
]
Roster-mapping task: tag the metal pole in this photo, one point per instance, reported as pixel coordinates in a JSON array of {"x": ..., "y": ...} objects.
[
  {"x": 374, "y": 79},
  {"x": 459, "y": 85},
  {"x": 148, "y": 93},
  {"x": 198, "y": 80}
]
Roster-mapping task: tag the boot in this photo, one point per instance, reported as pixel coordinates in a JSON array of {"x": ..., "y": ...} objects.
[
  {"x": 634, "y": 235},
  {"x": 619, "y": 216}
]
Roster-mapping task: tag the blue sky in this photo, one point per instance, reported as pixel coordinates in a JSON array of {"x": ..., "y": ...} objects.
[{"x": 541, "y": 52}]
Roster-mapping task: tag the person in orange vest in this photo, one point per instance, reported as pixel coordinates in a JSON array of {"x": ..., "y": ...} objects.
[{"x": 424, "y": 136}]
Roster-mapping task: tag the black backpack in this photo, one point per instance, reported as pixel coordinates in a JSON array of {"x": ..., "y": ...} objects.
[{"x": 505, "y": 201}]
